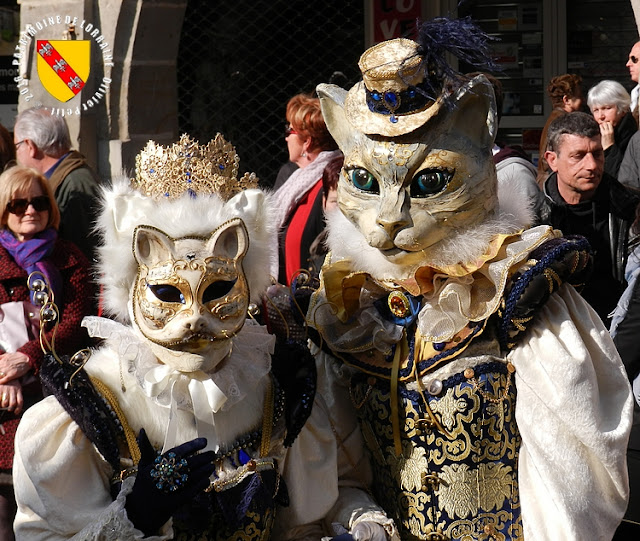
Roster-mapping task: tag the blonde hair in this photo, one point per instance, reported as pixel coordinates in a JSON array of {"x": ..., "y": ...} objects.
[
  {"x": 20, "y": 179},
  {"x": 305, "y": 117}
]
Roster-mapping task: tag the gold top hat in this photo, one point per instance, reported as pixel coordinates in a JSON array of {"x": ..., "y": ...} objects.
[{"x": 388, "y": 101}]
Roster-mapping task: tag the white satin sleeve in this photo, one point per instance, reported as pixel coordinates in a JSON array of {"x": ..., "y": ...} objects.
[
  {"x": 62, "y": 483},
  {"x": 574, "y": 411},
  {"x": 327, "y": 470}
]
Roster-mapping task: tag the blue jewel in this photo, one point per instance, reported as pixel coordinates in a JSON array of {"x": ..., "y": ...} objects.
[
  {"x": 243, "y": 457},
  {"x": 439, "y": 346},
  {"x": 152, "y": 170},
  {"x": 375, "y": 96},
  {"x": 411, "y": 93},
  {"x": 393, "y": 118},
  {"x": 188, "y": 173},
  {"x": 391, "y": 99},
  {"x": 221, "y": 166}
]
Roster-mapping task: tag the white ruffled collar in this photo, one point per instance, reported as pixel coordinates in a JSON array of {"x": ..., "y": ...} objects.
[
  {"x": 453, "y": 302},
  {"x": 202, "y": 393}
]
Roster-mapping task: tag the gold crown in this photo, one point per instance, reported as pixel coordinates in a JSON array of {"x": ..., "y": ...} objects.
[{"x": 188, "y": 167}]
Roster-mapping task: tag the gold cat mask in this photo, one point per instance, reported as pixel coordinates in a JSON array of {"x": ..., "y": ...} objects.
[
  {"x": 409, "y": 184},
  {"x": 185, "y": 249}
]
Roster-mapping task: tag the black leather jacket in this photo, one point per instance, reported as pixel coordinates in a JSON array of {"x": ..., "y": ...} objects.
[{"x": 605, "y": 221}]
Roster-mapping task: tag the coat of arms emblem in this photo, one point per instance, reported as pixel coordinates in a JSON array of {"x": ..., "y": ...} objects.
[{"x": 63, "y": 66}]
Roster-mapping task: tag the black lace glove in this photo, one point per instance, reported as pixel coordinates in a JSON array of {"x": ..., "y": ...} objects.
[{"x": 166, "y": 482}]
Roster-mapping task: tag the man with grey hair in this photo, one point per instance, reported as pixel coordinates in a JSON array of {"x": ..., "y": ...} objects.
[
  {"x": 581, "y": 199},
  {"x": 43, "y": 142}
]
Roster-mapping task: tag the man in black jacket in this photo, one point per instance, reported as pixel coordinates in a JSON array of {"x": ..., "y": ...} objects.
[{"x": 581, "y": 199}]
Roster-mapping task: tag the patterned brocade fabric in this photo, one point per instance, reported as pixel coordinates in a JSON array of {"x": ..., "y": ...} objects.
[
  {"x": 255, "y": 525},
  {"x": 456, "y": 478}
]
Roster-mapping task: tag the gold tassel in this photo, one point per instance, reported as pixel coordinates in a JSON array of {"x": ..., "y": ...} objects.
[
  {"x": 267, "y": 420},
  {"x": 399, "y": 355}
]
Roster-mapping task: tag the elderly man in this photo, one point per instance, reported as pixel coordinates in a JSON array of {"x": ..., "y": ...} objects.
[
  {"x": 582, "y": 199},
  {"x": 43, "y": 142}
]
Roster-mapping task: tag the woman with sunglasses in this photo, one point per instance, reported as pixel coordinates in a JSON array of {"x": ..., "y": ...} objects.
[
  {"x": 299, "y": 216},
  {"x": 29, "y": 243}
]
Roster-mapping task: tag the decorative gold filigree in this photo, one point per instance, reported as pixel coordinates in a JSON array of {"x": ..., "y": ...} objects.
[
  {"x": 410, "y": 469},
  {"x": 187, "y": 167},
  {"x": 448, "y": 407},
  {"x": 465, "y": 490}
]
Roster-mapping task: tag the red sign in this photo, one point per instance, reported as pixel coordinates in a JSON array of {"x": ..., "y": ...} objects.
[{"x": 395, "y": 19}]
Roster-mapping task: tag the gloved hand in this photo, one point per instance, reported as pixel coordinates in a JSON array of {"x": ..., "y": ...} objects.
[
  {"x": 369, "y": 531},
  {"x": 164, "y": 483}
]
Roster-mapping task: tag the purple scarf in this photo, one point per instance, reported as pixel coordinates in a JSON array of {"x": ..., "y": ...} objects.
[{"x": 33, "y": 255}]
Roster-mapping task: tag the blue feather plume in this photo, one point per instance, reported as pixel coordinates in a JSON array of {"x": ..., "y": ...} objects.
[{"x": 462, "y": 38}]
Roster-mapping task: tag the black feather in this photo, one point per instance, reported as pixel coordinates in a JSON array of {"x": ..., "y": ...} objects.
[{"x": 461, "y": 38}]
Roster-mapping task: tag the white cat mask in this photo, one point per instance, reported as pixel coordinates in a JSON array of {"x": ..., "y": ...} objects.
[{"x": 182, "y": 270}]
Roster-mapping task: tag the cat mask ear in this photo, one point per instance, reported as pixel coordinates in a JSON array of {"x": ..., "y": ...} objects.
[
  {"x": 332, "y": 104},
  {"x": 474, "y": 112},
  {"x": 230, "y": 241}
]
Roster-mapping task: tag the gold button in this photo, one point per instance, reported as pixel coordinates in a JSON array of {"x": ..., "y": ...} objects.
[
  {"x": 469, "y": 373},
  {"x": 511, "y": 368},
  {"x": 489, "y": 529},
  {"x": 251, "y": 465}
]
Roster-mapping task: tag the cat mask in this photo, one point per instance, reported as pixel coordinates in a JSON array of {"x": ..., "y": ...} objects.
[
  {"x": 191, "y": 294},
  {"x": 183, "y": 269},
  {"x": 407, "y": 192}
]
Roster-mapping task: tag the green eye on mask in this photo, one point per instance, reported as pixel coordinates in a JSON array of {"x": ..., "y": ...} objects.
[
  {"x": 430, "y": 181},
  {"x": 363, "y": 180}
]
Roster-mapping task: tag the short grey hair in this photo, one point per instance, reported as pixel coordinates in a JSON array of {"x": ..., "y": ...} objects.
[
  {"x": 609, "y": 92},
  {"x": 48, "y": 132},
  {"x": 576, "y": 123}
]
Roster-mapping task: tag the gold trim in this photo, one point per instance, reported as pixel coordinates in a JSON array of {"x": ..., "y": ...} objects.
[
  {"x": 130, "y": 436},
  {"x": 401, "y": 350},
  {"x": 267, "y": 420}
]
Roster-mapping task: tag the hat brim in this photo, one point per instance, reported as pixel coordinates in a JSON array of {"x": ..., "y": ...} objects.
[{"x": 361, "y": 117}]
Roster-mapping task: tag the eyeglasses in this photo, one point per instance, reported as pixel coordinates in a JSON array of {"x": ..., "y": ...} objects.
[
  {"x": 634, "y": 59},
  {"x": 20, "y": 206},
  {"x": 288, "y": 130},
  {"x": 19, "y": 143}
]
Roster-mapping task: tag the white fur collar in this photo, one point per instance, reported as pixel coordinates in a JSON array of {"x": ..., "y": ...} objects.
[{"x": 345, "y": 241}]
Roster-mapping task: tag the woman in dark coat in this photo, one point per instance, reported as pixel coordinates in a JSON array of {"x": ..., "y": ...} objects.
[
  {"x": 28, "y": 243},
  {"x": 609, "y": 103}
]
